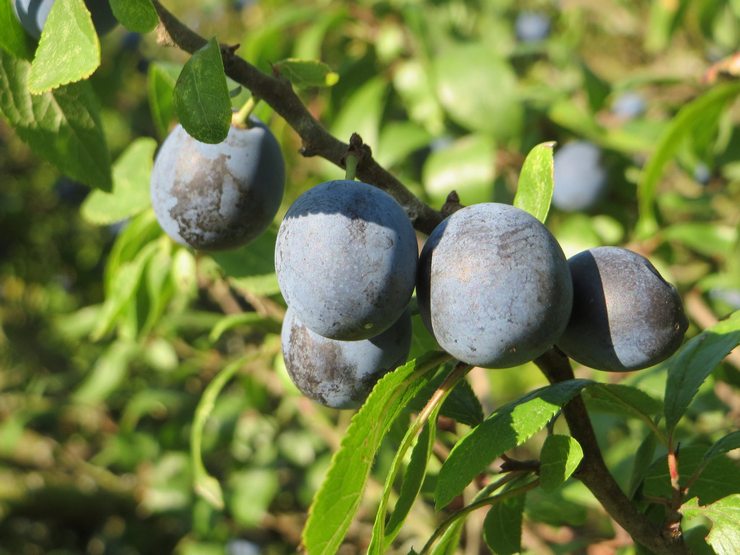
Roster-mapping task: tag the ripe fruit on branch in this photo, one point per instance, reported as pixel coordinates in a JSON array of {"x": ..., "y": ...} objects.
[
  {"x": 580, "y": 178},
  {"x": 340, "y": 374},
  {"x": 32, "y": 15},
  {"x": 493, "y": 287},
  {"x": 625, "y": 315},
  {"x": 345, "y": 259},
  {"x": 218, "y": 196}
]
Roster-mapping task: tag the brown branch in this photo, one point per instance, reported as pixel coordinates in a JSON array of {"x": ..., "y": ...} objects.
[
  {"x": 317, "y": 141},
  {"x": 593, "y": 471}
]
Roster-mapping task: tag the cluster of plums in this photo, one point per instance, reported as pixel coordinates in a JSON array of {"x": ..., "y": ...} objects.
[{"x": 492, "y": 284}]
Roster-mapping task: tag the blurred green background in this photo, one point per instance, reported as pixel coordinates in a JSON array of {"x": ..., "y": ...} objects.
[{"x": 110, "y": 332}]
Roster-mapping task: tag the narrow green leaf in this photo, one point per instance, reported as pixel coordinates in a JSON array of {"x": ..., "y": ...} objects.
[
  {"x": 413, "y": 479},
  {"x": 244, "y": 319},
  {"x": 506, "y": 428},
  {"x": 202, "y": 98},
  {"x": 502, "y": 527},
  {"x": 691, "y": 365},
  {"x": 161, "y": 79},
  {"x": 130, "y": 194},
  {"x": 627, "y": 401},
  {"x": 62, "y": 126},
  {"x": 534, "y": 191},
  {"x": 728, "y": 443},
  {"x": 337, "y": 500},
  {"x": 136, "y": 15},
  {"x": 69, "y": 49},
  {"x": 108, "y": 374},
  {"x": 643, "y": 461},
  {"x": 307, "y": 73},
  {"x": 559, "y": 458},
  {"x": 204, "y": 484},
  {"x": 681, "y": 126},
  {"x": 724, "y": 536},
  {"x": 13, "y": 39}
]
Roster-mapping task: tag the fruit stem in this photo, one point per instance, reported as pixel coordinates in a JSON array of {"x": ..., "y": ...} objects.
[
  {"x": 350, "y": 166},
  {"x": 241, "y": 118}
]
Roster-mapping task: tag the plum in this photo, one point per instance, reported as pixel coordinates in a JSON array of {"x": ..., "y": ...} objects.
[
  {"x": 340, "y": 374},
  {"x": 532, "y": 26},
  {"x": 625, "y": 315},
  {"x": 345, "y": 259},
  {"x": 493, "y": 286},
  {"x": 580, "y": 178},
  {"x": 32, "y": 15},
  {"x": 629, "y": 105},
  {"x": 218, "y": 196}
]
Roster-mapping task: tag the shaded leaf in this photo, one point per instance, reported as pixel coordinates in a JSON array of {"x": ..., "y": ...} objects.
[
  {"x": 161, "y": 79},
  {"x": 559, "y": 458},
  {"x": 502, "y": 527},
  {"x": 463, "y": 406},
  {"x": 691, "y": 365},
  {"x": 202, "y": 98},
  {"x": 643, "y": 460},
  {"x": 136, "y": 15},
  {"x": 62, "y": 126},
  {"x": 68, "y": 50},
  {"x": 730, "y": 442},
  {"x": 506, "y": 428},
  {"x": 536, "y": 182},
  {"x": 108, "y": 374},
  {"x": 130, "y": 194},
  {"x": 338, "y": 499}
]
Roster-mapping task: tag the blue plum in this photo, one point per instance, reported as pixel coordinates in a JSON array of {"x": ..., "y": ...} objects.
[
  {"x": 580, "y": 178},
  {"x": 532, "y": 26},
  {"x": 32, "y": 15},
  {"x": 340, "y": 374},
  {"x": 625, "y": 315},
  {"x": 493, "y": 286},
  {"x": 345, "y": 259},
  {"x": 218, "y": 196},
  {"x": 629, "y": 105}
]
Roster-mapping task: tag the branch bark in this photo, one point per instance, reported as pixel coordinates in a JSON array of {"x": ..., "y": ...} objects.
[
  {"x": 317, "y": 141},
  {"x": 593, "y": 471}
]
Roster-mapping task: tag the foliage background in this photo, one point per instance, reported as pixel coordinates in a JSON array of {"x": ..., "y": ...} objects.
[{"x": 110, "y": 332}]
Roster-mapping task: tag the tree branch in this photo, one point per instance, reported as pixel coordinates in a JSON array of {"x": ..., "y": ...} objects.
[
  {"x": 317, "y": 141},
  {"x": 593, "y": 471}
]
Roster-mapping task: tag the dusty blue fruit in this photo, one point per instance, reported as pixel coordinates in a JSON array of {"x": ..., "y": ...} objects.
[
  {"x": 340, "y": 374},
  {"x": 218, "y": 196},
  {"x": 345, "y": 259},
  {"x": 532, "y": 26},
  {"x": 493, "y": 286},
  {"x": 629, "y": 105},
  {"x": 625, "y": 315},
  {"x": 580, "y": 178},
  {"x": 32, "y": 15}
]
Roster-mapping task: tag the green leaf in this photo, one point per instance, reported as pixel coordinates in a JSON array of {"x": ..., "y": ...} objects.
[
  {"x": 161, "y": 79},
  {"x": 691, "y": 365},
  {"x": 508, "y": 427},
  {"x": 627, "y": 401},
  {"x": 398, "y": 140},
  {"x": 307, "y": 73},
  {"x": 463, "y": 405},
  {"x": 710, "y": 239},
  {"x": 643, "y": 461},
  {"x": 534, "y": 190},
  {"x": 724, "y": 514},
  {"x": 69, "y": 49},
  {"x": 62, "y": 126},
  {"x": 559, "y": 458},
  {"x": 108, "y": 374},
  {"x": 13, "y": 39},
  {"x": 130, "y": 193},
  {"x": 252, "y": 268},
  {"x": 466, "y": 166},
  {"x": 726, "y": 444},
  {"x": 682, "y": 125},
  {"x": 479, "y": 90},
  {"x": 362, "y": 112},
  {"x": 249, "y": 319},
  {"x": 338, "y": 499},
  {"x": 136, "y": 15},
  {"x": 250, "y": 493},
  {"x": 502, "y": 527},
  {"x": 202, "y": 96}
]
